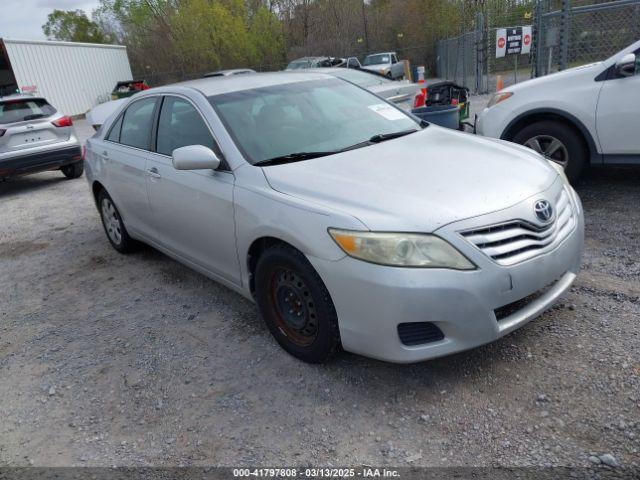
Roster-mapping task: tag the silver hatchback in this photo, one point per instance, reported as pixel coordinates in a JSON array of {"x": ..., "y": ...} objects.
[
  {"x": 35, "y": 137},
  {"x": 350, "y": 223}
]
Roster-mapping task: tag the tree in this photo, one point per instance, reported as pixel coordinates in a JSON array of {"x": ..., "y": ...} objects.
[{"x": 73, "y": 26}]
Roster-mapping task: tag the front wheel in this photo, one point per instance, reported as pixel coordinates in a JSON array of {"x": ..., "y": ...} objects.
[
  {"x": 296, "y": 305},
  {"x": 558, "y": 142},
  {"x": 75, "y": 170}
]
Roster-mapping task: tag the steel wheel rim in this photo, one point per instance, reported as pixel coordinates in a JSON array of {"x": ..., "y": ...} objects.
[
  {"x": 550, "y": 147},
  {"x": 111, "y": 221},
  {"x": 294, "y": 307}
]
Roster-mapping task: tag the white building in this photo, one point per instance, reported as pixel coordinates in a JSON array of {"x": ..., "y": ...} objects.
[{"x": 73, "y": 77}]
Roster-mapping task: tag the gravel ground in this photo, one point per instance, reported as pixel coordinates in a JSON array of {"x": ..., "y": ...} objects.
[{"x": 136, "y": 360}]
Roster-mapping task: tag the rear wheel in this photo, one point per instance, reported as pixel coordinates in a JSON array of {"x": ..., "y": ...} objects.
[
  {"x": 558, "y": 142},
  {"x": 296, "y": 305},
  {"x": 75, "y": 170},
  {"x": 113, "y": 225}
]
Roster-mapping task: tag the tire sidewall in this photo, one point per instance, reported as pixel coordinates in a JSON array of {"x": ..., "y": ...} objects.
[
  {"x": 75, "y": 170},
  {"x": 324, "y": 344},
  {"x": 573, "y": 143},
  {"x": 123, "y": 246}
]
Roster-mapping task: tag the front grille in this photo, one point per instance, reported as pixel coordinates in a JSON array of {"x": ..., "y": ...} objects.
[
  {"x": 509, "y": 309},
  {"x": 418, "y": 333},
  {"x": 518, "y": 240}
]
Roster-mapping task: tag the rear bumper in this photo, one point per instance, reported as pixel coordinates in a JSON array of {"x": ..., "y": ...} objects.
[{"x": 33, "y": 162}]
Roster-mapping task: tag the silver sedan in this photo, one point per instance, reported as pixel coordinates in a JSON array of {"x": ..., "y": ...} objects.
[{"x": 350, "y": 223}]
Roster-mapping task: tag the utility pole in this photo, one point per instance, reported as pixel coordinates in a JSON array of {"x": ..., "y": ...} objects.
[{"x": 364, "y": 23}]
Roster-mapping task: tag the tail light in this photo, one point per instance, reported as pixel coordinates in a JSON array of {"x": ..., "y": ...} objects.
[
  {"x": 84, "y": 152},
  {"x": 2, "y": 132},
  {"x": 419, "y": 100},
  {"x": 65, "y": 121}
]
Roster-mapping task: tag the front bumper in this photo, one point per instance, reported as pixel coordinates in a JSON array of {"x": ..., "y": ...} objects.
[
  {"x": 372, "y": 300},
  {"x": 36, "y": 161}
]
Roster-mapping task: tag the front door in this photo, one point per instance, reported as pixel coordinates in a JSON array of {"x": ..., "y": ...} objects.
[
  {"x": 192, "y": 211},
  {"x": 618, "y": 115}
]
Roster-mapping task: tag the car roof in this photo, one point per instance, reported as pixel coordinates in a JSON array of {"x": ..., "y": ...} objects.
[
  {"x": 218, "y": 85},
  {"x": 381, "y": 53}
]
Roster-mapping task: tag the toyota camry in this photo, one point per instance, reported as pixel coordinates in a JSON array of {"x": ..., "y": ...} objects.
[{"x": 351, "y": 224}]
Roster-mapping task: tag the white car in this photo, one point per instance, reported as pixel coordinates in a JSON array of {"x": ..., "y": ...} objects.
[
  {"x": 584, "y": 115},
  {"x": 384, "y": 63}
]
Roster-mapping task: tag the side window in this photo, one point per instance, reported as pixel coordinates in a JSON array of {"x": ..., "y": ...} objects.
[
  {"x": 114, "y": 134},
  {"x": 181, "y": 125},
  {"x": 394, "y": 59},
  {"x": 137, "y": 122},
  {"x": 353, "y": 63}
]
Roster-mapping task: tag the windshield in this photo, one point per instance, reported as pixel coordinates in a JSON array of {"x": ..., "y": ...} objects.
[
  {"x": 377, "y": 59},
  {"x": 24, "y": 109},
  {"x": 297, "y": 64},
  {"x": 307, "y": 116},
  {"x": 362, "y": 79}
]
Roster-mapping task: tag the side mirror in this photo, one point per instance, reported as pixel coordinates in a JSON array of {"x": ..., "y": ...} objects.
[
  {"x": 626, "y": 66},
  {"x": 195, "y": 157}
]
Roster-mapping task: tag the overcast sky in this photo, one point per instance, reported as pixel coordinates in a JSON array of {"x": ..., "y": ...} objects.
[{"x": 23, "y": 19}]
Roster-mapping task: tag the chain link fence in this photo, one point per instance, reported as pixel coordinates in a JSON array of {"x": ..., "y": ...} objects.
[{"x": 566, "y": 33}]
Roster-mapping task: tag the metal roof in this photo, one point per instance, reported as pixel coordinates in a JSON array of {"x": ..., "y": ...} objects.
[{"x": 61, "y": 43}]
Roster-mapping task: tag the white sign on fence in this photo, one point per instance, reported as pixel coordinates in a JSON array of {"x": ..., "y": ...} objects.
[{"x": 513, "y": 41}]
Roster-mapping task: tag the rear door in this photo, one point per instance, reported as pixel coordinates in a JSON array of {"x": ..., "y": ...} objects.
[
  {"x": 26, "y": 123},
  {"x": 618, "y": 117},
  {"x": 192, "y": 211},
  {"x": 123, "y": 153}
]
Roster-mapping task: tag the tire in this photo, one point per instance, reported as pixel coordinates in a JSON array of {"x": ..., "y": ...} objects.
[
  {"x": 571, "y": 145},
  {"x": 75, "y": 170},
  {"x": 389, "y": 75},
  {"x": 113, "y": 225},
  {"x": 296, "y": 305}
]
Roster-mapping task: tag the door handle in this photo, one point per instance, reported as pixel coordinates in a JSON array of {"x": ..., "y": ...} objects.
[{"x": 154, "y": 173}]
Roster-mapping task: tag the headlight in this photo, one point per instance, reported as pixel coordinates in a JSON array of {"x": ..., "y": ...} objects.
[
  {"x": 499, "y": 97},
  {"x": 558, "y": 168},
  {"x": 401, "y": 249}
]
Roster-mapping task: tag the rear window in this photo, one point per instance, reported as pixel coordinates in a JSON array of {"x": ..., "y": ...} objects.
[
  {"x": 376, "y": 59},
  {"x": 23, "y": 110}
]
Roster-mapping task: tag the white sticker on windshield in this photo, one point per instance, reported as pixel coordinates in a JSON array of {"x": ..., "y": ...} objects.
[{"x": 387, "y": 111}]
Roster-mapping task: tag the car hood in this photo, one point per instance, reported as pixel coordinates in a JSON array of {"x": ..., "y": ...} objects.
[
  {"x": 419, "y": 182},
  {"x": 565, "y": 77},
  {"x": 100, "y": 113},
  {"x": 395, "y": 90}
]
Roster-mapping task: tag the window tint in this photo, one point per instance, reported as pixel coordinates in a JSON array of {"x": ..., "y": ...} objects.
[
  {"x": 181, "y": 125},
  {"x": 114, "y": 134},
  {"x": 136, "y": 126},
  {"x": 24, "y": 110}
]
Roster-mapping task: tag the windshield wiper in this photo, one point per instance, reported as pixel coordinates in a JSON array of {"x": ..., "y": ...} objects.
[
  {"x": 381, "y": 137},
  {"x": 294, "y": 157},
  {"x": 297, "y": 156}
]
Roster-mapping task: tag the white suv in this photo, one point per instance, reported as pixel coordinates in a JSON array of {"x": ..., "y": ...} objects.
[{"x": 588, "y": 114}]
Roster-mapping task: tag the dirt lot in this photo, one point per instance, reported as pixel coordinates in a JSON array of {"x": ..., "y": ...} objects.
[{"x": 136, "y": 360}]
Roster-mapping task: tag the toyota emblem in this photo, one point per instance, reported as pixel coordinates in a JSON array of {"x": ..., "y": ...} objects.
[{"x": 543, "y": 210}]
